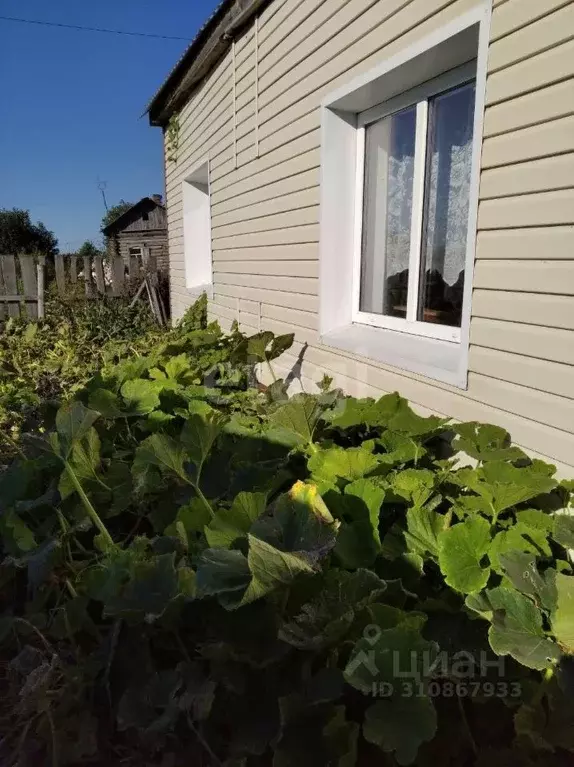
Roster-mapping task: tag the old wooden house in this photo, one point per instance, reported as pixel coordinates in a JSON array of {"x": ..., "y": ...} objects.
[{"x": 142, "y": 226}]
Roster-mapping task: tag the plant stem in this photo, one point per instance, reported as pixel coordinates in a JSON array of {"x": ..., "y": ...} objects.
[
  {"x": 273, "y": 376},
  {"x": 72, "y": 591},
  {"x": 92, "y": 513},
  {"x": 466, "y": 725},
  {"x": 204, "y": 500}
]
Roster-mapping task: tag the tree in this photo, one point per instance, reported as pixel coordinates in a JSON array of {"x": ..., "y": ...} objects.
[
  {"x": 115, "y": 212},
  {"x": 19, "y": 235},
  {"x": 89, "y": 249}
]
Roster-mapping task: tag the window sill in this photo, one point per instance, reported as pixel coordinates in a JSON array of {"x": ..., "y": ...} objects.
[{"x": 440, "y": 360}]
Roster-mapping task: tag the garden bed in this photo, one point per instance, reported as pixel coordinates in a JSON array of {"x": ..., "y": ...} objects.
[{"x": 198, "y": 572}]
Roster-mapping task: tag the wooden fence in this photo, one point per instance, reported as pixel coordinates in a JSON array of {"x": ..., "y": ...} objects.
[
  {"x": 113, "y": 277},
  {"x": 22, "y": 286},
  {"x": 22, "y": 280}
]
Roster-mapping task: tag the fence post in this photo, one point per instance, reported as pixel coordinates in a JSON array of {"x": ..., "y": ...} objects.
[
  {"x": 117, "y": 264},
  {"x": 60, "y": 274},
  {"x": 11, "y": 283},
  {"x": 74, "y": 269},
  {"x": 99, "y": 269},
  {"x": 40, "y": 285},
  {"x": 29, "y": 284},
  {"x": 88, "y": 275}
]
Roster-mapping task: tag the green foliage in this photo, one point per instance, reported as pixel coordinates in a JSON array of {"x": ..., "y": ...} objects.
[
  {"x": 172, "y": 138},
  {"x": 19, "y": 235},
  {"x": 195, "y": 571},
  {"x": 113, "y": 213},
  {"x": 88, "y": 249}
]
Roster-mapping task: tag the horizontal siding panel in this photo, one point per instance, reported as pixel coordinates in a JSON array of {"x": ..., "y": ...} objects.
[
  {"x": 237, "y": 304},
  {"x": 541, "y": 106},
  {"x": 544, "y": 209},
  {"x": 544, "y": 140},
  {"x": 524, "y": 178},
  {"x": 289, "y": 316},
  {"x": 361, "y": 378},
  {"x": 296, "y": 183},
  {"x": 536, "y": 374},
  {"x": 359, "y": 47},
  {"x": 301, "y": 217},
  {"x": 294, "y": 300},
  {"x": 279, "y": 268},
  {"x": 530, "y": 308},
  {"x": 536, "y": 72},
  {"x": 516, "y": 14},
  {"x": 268, "y": 162},
  {"x": 298, "y": 164},
  {"x": 280, "y": 16},
  {"x": 536, "y": 405},
  {"x": 288, "y": 202},
  {"x": 296, "y": 235},
  {"x": 320, "y": 31},
  {"x": 526, "y": 276},
  {"x": 284, "y": 284},
  {"x": 291, "y": 253},
  {"x": 556, "y": 242},
  {"x": 310, "y": 122},
  {"x": 545, "y": 343},
  {"x": 549, "y": 31},
  {"x": 278, "y": 40}
]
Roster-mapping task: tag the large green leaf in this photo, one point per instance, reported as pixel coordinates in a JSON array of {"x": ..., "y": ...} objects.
[
  {"x": 279, "y": 346},
  {"x": 254, "y": 349},
  {"x": 237, "y": 580},
  {"x": 485, "y": 442},
  {"x": 563, "y": 616},
  {"x": 84, "y": 461},
  {"x": 161, "y": 451},
  {"x": 424, "y": 527},
  {"x": 401, "y": 725},
  {"x": 414, "y": 485},
  {"x": 401, "y": 449},
  {"x": 294, "y": 423},
  {"x": 141, "y": 395},
  {"x": 563, "y": 530},
  {"x": 518, "y": 537},
  {"x": 461, "y": 551},
  {"x": 358, "y": 541},
  {"x": 299, "y": 522},
  {"x": 199, "y": 435},
  {"x": 271, "y": 568},
  {"x": 521, "y": 570},
  {"x": 502, "y": 485},
  {"x": 223, "y": 573},
  {"x": 391, "y": 655},
  {"x": 327, "y": 618},
  {"x": 335, "y": 463},
  {"x": 233, "y": 523},
  {"x": 107, "y": 403},
  {"x": 16, "y": 537},
  {"x": 355, "y": 412},
  {"x": 517, "y": 630},
  {"x": 73, "y": 421}
]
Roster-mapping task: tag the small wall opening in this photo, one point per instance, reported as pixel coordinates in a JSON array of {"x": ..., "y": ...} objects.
[{"x": 197, "y": 228}]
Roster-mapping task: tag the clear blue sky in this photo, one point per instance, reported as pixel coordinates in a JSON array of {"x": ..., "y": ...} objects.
[{"x": 72, "y": 103}]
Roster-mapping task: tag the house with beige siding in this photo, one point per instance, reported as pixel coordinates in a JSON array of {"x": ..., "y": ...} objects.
[{"x": 393, "y": 180}]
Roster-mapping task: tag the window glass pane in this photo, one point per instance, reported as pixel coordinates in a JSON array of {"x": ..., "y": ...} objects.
[
  {"x": 388, "y": 200},
  {"x": 449, "y": 160}
]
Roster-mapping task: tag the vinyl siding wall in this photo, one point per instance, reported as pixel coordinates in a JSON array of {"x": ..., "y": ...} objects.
[{"x": 265, "y": 201}]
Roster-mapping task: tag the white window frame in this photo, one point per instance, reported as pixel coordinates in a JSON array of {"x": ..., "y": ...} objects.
[
  {"x": 197, "y": 251},
  {"x": 419, "y": 97},
  {"x": 343, "y": 112}
]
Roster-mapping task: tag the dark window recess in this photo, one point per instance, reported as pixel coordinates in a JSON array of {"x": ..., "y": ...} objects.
[{"x": 145, "y": 216}]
